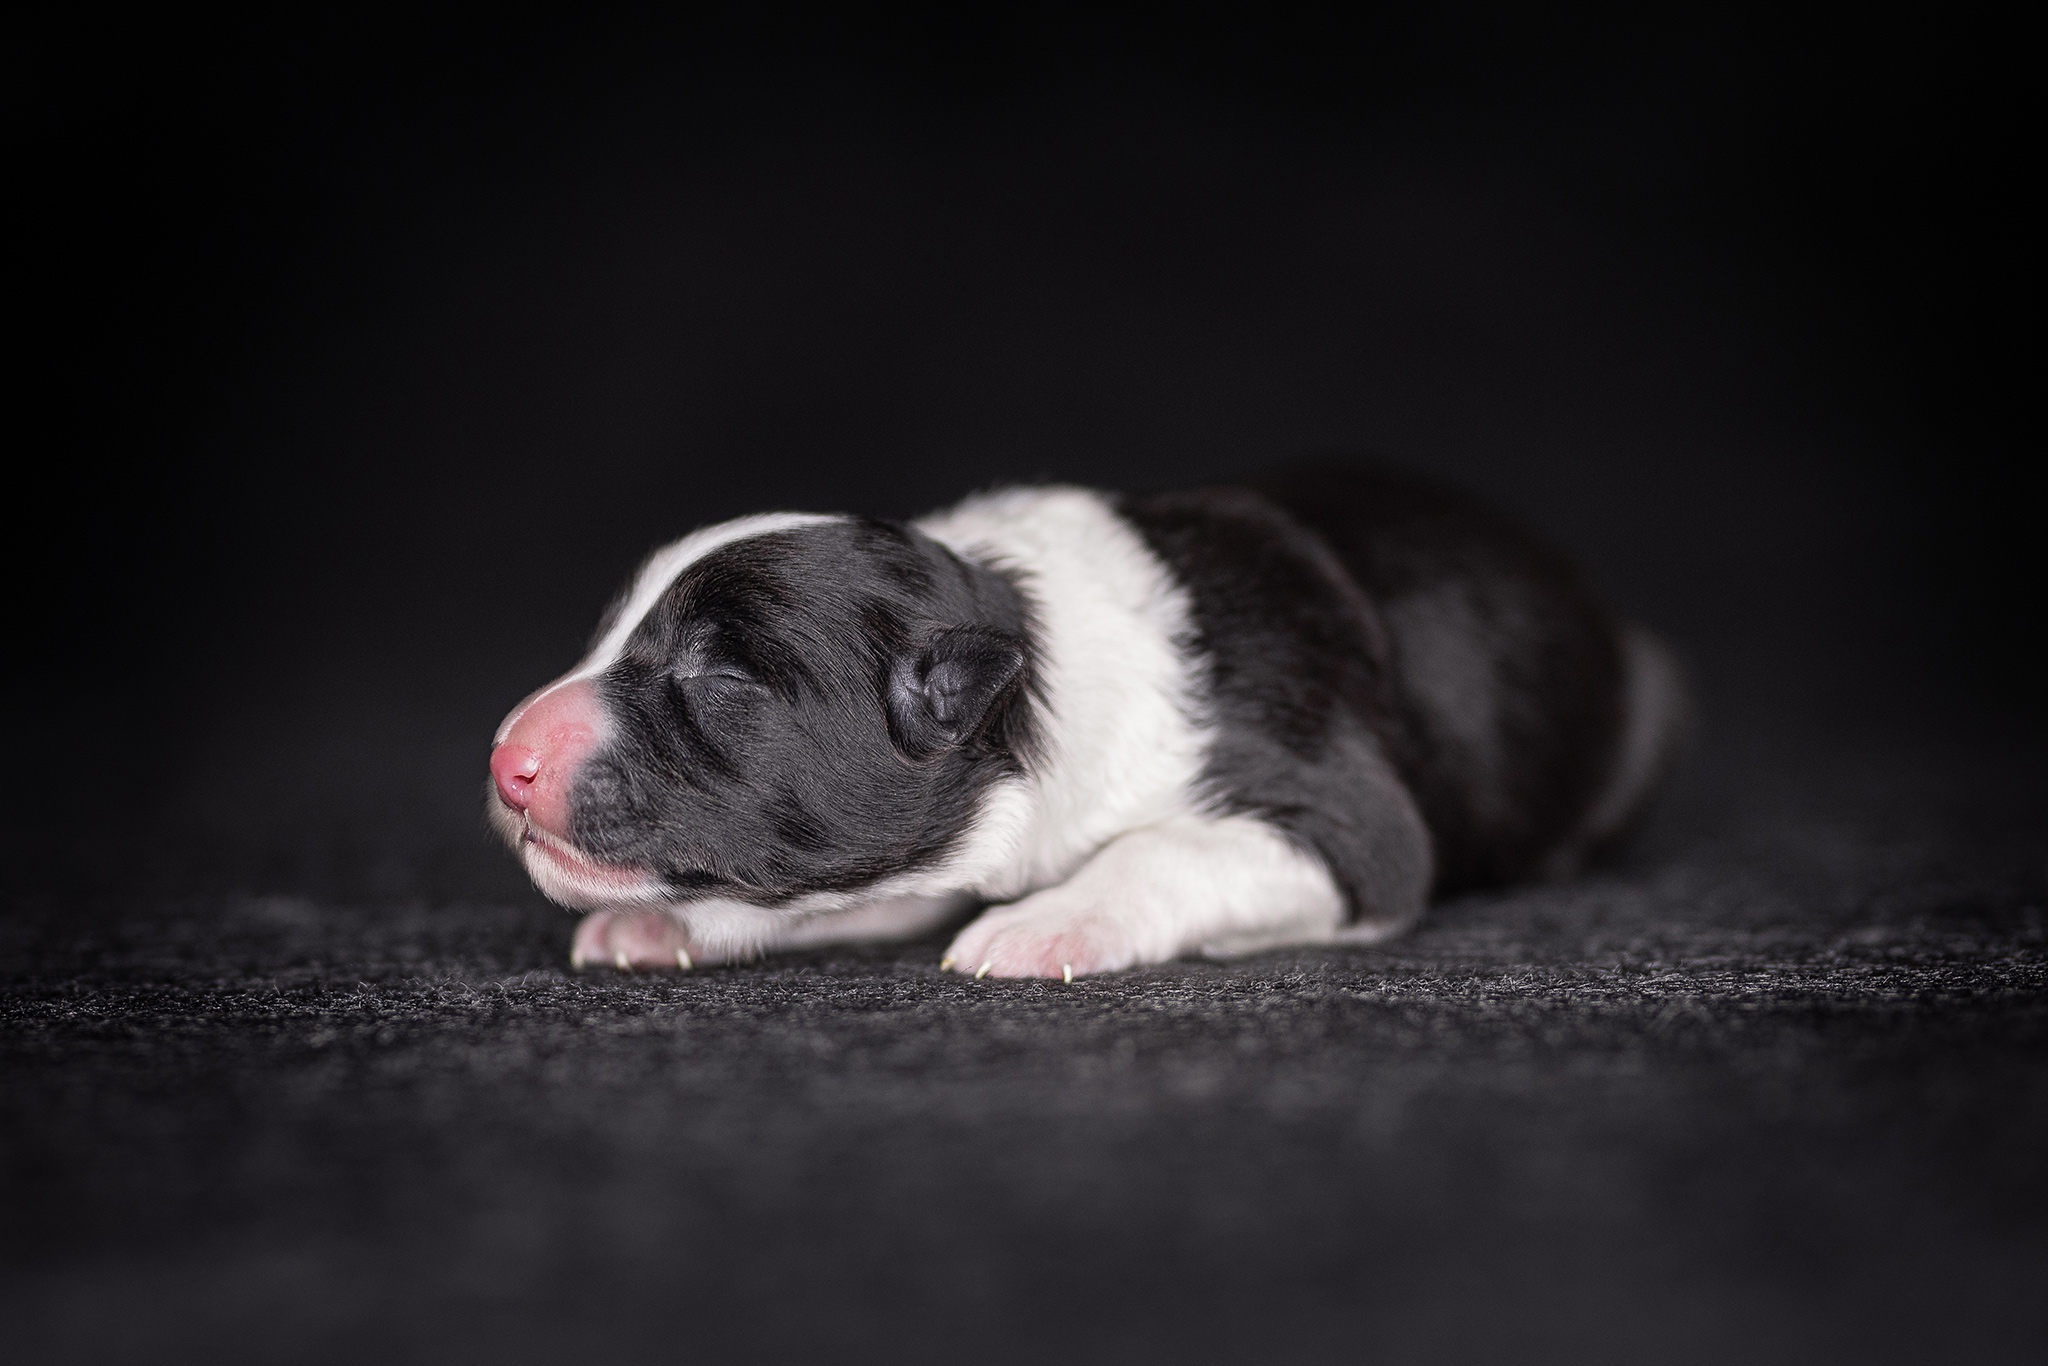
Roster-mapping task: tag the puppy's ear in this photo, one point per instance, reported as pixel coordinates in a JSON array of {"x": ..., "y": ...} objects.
[{"x": 940, "y": 696}]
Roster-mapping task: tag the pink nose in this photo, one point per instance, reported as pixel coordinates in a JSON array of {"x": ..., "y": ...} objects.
[
  {"x": 539, "y": 748},
  {"x": 514, "y": 767}
]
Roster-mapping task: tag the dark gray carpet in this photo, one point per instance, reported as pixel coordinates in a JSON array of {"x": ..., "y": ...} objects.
[{"x": 1773, "y": 1087}]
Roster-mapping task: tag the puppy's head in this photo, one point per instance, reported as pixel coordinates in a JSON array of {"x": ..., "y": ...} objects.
[{"x": 775, "y": 707}]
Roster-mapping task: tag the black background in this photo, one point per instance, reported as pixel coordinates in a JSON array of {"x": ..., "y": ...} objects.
[{"x": 370, "y": 354}]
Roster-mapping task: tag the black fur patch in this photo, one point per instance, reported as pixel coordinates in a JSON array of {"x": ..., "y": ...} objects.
[
  {"x": 766, "y": 741},
  {"x": 1344, "y": 609}
]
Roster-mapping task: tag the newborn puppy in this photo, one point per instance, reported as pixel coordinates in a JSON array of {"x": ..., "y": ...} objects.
[{"x": 1213, "y": 721}]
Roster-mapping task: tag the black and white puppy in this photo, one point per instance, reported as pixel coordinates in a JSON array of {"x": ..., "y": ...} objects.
[{"x": 1214, "y": 721}]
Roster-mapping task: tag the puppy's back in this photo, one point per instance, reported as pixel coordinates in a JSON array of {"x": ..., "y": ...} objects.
[{"x": 1529, "y": 723}]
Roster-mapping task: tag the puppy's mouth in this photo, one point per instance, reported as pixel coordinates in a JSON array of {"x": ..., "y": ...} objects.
[
  {"x": 566, "y": 874},
  {"x": 567, "y": 856}
]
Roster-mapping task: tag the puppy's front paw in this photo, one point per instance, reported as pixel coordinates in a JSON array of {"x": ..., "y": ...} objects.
[
  {"x": 1039, "y": 937},
  {"x": 633, "y": 939}
]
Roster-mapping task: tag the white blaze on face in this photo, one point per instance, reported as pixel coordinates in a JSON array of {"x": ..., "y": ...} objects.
[{"x": 655, "y": 578}]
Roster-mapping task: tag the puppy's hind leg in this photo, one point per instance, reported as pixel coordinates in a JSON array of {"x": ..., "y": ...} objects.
[
  {"x": 1657, "y": 721},
  {"x": 1221, "y": 883}
]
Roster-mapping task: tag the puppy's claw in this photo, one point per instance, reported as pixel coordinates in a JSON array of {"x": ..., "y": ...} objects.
[
  {"x": 620, "y": 961},
  {"x": 981, "y": 971},
  {"x": 945, "y": 965},
  {"x": 1066, "y": 972},
  {"x": 683, "y": 960}
]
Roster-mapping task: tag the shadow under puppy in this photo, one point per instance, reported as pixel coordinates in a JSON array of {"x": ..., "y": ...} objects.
[{"x": 1219, "y": 720}]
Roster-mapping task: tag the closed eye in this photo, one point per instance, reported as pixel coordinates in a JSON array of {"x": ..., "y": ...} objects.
[
  {"x": 717, "y": 691},
  {"x": 717, "y": 715}
]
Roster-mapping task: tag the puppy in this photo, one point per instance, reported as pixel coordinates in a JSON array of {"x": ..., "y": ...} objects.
[{"x": 1132, "y": 728}]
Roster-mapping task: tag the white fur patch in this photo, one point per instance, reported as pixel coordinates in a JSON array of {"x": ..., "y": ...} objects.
[
  {"x": 1124, "y": 728},
  {"x": 1219, "y": 884}
]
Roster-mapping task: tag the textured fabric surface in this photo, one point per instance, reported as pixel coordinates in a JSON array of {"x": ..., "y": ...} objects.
[{"x": 1772, "y": 1087}]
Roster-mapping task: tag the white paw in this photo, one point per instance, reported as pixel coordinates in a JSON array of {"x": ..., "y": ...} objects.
[
  {"x": 629, "y": 940},
  {"x": 1039, "y": 937}
]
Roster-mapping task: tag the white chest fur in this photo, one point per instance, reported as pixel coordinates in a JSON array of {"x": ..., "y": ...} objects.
[{"x": 1124, "y": 726}]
